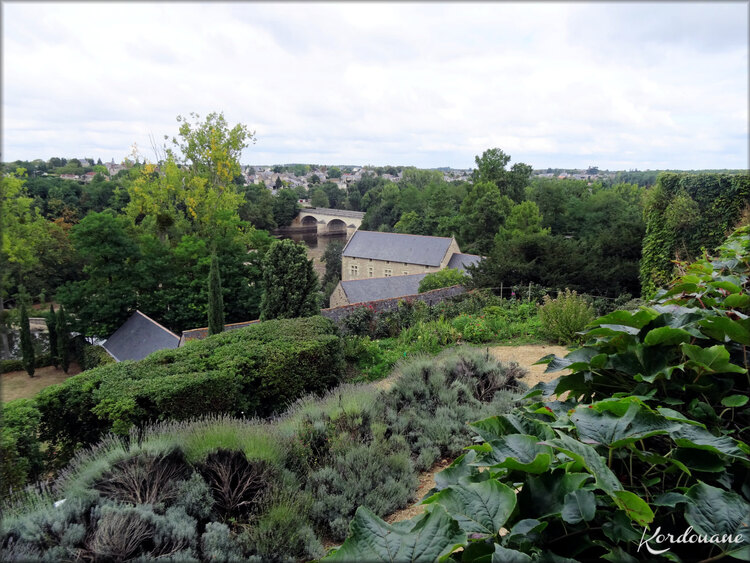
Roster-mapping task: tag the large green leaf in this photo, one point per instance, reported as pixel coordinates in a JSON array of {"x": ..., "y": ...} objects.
[
  {"x": 667, "y": 336},
  {"x": 461, "y": 468},
  {"x": 579, "y": 505},
  {"x": 525, "y": 534},
  {"x": 516, "y": 452},
  {"x": 634, "y": 506},
  {"x": 734, "y": 401},
  {"x": 713, "y": 511},
  {"x": 590, "y": 459},
  {"x": 480, "y": 508},
  {"x": 710, "y": 360},
  {"x": 504, "y": 555},
  {"x": 427, "y": 537},
  {"x": 637, "y": 320},
  {"x": 544, "y": 495},
  {"x": 615, "y": 431},
  {"x": 577, "y": 359},
  {"x": 689, "y": 436},
  {"x": 725, "y": 329},
  {"x": 496, "y": 427},
  {"x": 737, "y": 300}
]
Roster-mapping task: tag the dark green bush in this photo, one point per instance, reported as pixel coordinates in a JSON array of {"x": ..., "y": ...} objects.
[
  {"x": 565, "y": 316},
  {"x": 22, "y": 458},
  {"x": 259, "y": 370},
  {"x": 6, "y": 366},
  {"x": 40, "y": 361},
  {"x": 95, "y": 356}
]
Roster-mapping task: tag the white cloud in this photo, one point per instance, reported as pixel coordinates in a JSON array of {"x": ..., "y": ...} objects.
[{"x": 617, "y": 85}]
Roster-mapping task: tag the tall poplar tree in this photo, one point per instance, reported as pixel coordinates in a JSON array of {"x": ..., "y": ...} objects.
[
  {"x": 63, "y": 338},
  {"x": 215, "y": 299},
  {"x": 27, "y": 345}
]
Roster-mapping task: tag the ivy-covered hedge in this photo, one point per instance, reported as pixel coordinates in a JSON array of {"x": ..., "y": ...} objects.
[
  {"x": 685, "y": 212},
  {"x": 257, "y": 370}
]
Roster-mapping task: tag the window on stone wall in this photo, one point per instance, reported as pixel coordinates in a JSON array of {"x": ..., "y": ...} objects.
[
  {"x": 388, "y": 272},
  {"x": 354, "y": 269},
  {"x": 371, "y": 271}
]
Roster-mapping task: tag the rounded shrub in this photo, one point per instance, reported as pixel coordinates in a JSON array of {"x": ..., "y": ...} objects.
[{"x": 565, "y": 316}]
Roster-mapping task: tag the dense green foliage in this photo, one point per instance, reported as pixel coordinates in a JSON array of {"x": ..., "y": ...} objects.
[
  {"x": 215, "y": 299},
  {"x": 254, "y": 370},
  {"x": 332, "y": 259},
  {"x": 444, "y": 278},
  {"x": 27, "y": 346},
  {"x": 565, "y": 316},
  {"x": 62, "y": 331},
  {"x": 687, "y": 212},
  {"x": 651, "y": 440},
  {"x": 20, "y": 452},
  {"x": 238, "y": 489},
  {"x": 290, "y": 285},
  {"x": 51, "y": 321}
]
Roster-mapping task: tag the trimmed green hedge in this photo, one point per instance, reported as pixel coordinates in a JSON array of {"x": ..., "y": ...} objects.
[
  {"x": 40, "y": 361},
  {"x": 20, "y": 455},
  {"x": 257, "y": 370}
]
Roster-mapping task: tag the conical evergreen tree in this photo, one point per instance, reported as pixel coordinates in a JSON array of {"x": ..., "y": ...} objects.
[
  {"x": 52, "y": 330},
  {"x": 62, "y": 339},
  {"x": 27, "y": 345},
  {"x": 215, "y": 299}
]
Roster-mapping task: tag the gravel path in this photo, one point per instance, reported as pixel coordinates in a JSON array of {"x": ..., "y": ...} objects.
[{"x": 525, "y": 356}]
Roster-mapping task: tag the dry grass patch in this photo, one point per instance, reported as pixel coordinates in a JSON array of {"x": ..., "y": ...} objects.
[{"x": 18, "y": 384}]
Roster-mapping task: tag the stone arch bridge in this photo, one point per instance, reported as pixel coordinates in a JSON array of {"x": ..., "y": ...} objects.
[{"x": 327, "y": 221}]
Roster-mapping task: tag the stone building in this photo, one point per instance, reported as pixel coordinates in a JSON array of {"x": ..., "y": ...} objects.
[{"x": 369, "y": 258}]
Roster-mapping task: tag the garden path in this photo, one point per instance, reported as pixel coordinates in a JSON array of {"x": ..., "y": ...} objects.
[{"x": 525, "y": 356}]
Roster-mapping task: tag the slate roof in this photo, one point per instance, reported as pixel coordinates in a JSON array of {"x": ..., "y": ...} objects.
[
  {"x": 373, "y": 289},
  {"x": 139, "y": 337},
  {"x": 201, "y": 333},
  {"x": 460, "y": 261},
  {"x": 412, "y": 249}
]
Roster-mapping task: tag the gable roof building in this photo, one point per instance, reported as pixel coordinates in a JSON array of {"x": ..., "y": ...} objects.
[
  {"x": 139, "y": 337},
  {"x": 377, "y": 265},
  {"x": 374, "y": 289},
  {"x": 396, "y": 247},
  {"x": 461, "y": 261}
]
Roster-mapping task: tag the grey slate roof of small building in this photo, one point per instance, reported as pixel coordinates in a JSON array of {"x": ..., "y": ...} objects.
[
  {"x": 460, "y": 261},
  {"x": 139, "y": 337},
  {"x": 412, "y": 249},
  {"x": 373, "y": 289}
]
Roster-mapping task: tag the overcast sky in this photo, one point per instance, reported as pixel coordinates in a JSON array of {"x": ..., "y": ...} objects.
[{"x": 617, "y": 85}]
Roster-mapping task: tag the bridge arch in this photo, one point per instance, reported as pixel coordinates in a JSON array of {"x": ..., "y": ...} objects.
[
  {"x": 309, "y": 221},
  {"x": 336, "y": 226}
]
